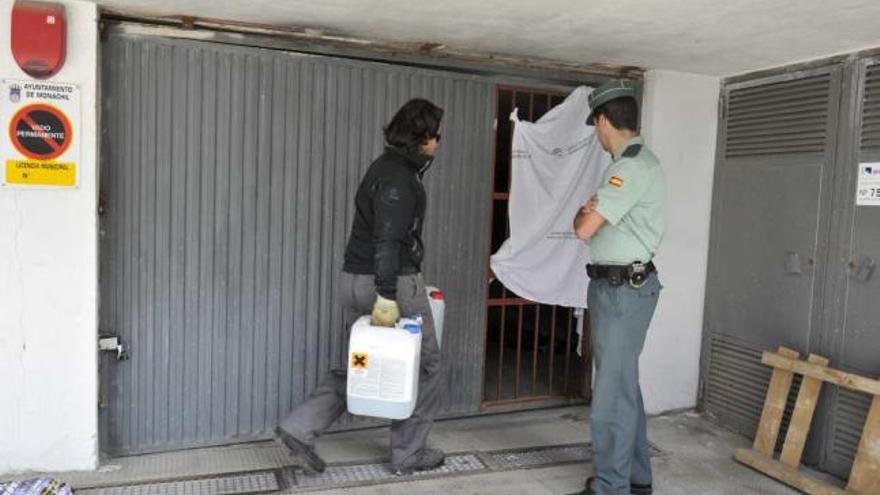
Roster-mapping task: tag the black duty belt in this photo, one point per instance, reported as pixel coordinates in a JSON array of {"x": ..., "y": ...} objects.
[{"x": 635, "y": 274}]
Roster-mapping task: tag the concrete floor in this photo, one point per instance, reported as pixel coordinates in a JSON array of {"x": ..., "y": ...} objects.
[{"x": 695, "y": 458}]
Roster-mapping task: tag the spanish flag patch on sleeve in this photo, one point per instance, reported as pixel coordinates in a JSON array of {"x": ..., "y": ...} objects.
[{"x": 616, "y": 181}]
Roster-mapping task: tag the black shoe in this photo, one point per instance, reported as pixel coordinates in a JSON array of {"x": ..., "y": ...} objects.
[
  {"x": 425, "y": 460},
  {"x": 634, "y": 489},
  {"x": 306, "y": 455}
]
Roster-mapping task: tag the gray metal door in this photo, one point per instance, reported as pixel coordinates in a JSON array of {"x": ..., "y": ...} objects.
[
  {"x": 769, "y": 238},
  {"x": 854, "y": 286},
  {"x": 227, "y": 182}
]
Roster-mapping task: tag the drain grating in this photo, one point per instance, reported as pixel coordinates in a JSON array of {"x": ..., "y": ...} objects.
[
  {"x": 520, "y": 459},
  {"x": 228, "y": 485},
  {"x": 378, "y": 472},
  {"x": 294, "y": 480},
  {"x": 545, "y": 456}
]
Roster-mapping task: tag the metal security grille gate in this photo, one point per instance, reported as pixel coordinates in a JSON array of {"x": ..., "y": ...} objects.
[
  {"x": 531, "y": 348},
  {"x": 226, "y": 183},
  {"x": 793, "y": 256}
]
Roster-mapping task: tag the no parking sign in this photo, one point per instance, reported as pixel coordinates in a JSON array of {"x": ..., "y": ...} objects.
[{"x": 41, "y": 147}]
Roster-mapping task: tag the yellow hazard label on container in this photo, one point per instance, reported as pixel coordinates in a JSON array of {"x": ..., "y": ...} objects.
[{"x": 360, "y": 360}]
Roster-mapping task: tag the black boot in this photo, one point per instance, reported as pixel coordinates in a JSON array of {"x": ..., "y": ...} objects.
[
  {"x": 305, "y": 454},
  {"x": 425, "y": 460}
]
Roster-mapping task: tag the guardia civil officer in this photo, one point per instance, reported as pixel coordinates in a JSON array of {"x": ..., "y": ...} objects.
[{"x": 624, "y": 223}]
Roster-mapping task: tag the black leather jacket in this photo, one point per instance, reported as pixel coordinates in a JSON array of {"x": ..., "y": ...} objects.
[{"x": 386, "y": 236}]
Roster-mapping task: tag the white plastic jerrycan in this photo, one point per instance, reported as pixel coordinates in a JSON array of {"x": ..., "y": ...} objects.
[{"x": 383, "y": 368}]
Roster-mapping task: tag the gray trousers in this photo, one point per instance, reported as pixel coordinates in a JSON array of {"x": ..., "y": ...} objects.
[
  {"x": 327, "y": 402},
  {"x": 619, "y": 320}
]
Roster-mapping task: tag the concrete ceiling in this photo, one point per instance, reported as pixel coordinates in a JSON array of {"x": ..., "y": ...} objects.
[{"x": 718, "y": 37}]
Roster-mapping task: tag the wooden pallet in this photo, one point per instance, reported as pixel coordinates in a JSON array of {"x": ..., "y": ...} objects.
[{"x": 864, "y": 478}]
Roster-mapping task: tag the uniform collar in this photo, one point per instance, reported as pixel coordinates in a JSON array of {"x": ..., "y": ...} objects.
[{"x": 634, "y": 140}]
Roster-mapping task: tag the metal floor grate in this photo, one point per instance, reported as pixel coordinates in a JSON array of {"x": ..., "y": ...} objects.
[
  {"x": 339, "y": 476},
  {"x": 545, "y": 456},
  {"x": 294, "y": 480},
  {"x": 520, "y": 459},
  {"x": 263, "y": 482}
]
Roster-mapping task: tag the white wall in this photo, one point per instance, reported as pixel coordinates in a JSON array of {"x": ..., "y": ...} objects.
[
  {"x": 48, "y": 288},
  {"x": 679, "y": 122}
]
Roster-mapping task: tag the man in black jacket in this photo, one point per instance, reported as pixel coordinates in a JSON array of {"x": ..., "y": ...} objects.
[{"x": 382, "y": 276}]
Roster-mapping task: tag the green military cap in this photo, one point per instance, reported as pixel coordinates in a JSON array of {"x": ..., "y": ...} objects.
[{"x": 611, "y": 90}]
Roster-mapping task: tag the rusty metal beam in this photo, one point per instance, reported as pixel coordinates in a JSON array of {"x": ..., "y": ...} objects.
[{"x": 312, "y": 41}]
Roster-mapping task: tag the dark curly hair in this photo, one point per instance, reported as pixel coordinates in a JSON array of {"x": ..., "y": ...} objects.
[{"x": 416, "y": 121}]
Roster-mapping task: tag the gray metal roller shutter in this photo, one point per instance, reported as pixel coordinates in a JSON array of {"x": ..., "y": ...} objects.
[{"x": 227, "y": 182}]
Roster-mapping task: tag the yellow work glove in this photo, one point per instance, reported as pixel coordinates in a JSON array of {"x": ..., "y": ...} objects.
[{"x": 386, "y": 312}]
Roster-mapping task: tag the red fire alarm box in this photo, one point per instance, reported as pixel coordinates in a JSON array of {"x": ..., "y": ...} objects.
[{"x": 39, "y": 37}]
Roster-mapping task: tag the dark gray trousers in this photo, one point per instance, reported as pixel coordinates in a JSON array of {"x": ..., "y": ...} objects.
[{"x": 327, "y": 402}]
